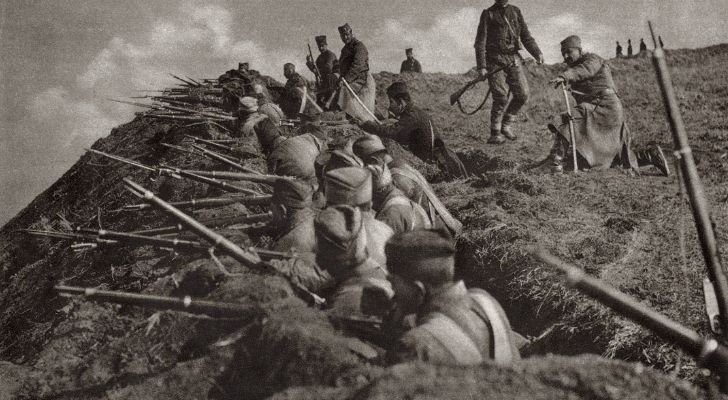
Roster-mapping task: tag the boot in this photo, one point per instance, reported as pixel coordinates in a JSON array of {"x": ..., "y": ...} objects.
[
  {"x": 496, "y": 138},
  {"x": 507, "y": 129},
  {"x": 655, "y": 157}
]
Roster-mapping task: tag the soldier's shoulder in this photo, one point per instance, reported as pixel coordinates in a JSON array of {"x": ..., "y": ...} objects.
[{"x": 592, "y": 57}]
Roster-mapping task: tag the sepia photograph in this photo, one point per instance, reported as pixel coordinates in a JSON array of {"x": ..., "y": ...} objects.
[{"x": 324, "y": 200}]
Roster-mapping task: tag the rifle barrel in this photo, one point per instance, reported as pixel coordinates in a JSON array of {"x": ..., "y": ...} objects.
[
  {"x": 698, "y": 201},
  {"x": 214, "y": 222},
  {"x": 242, "y": 176},
  {"x": 211, "y": 143},
  {"x": 223, "y": 159},
  {"x": 708, "y": 351},
  {"x": 216, "y": 183},
  {"x": 187, "y": 304},
  {"x": 209, "y": 202},
  {"x": 229, "y": 247},
  {"x": 132, "y": 238}
]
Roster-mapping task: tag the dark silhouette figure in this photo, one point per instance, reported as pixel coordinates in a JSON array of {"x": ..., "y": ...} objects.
[
  {"x": 629, "y": 48},
  {"x": 643, "y": 46},
  {"x": 619, "y": 51},
  {"x": 659, "y": 39}
]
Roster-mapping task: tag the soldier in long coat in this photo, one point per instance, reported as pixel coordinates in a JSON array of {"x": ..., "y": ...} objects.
[
  {"x": 354, "y": 68},
  {"x": 602, "y": 136},
  {"x": 410, "y": 64},
  {"x": 501, "y": 31},
  {"x": 454, "y": 325}
]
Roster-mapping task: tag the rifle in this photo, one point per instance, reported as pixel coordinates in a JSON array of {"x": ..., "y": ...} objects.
[
  {"x": 208, "y": 202},
  {"x": 455, "y": 97},
  {"x": 318, "y": 73},
  {"x": 571, "y": 126},
  {"x": 181, "y": 109},
  {"x": 247, "y": 258},
  {"x": 214, "y": 222},
  {"x": 240, "y": 176},
  {"x": 698, "y": 201},
  {"x": 104, "y": 237},
  {"x": 215, "y": 144},
  {"x": 186, "y": 303},
  {"x": 219, "y": 157},
  {"x": 178, "y": 174},
  {"x": 707, "y": 351},
  {"x": 327, "y": 123},
  {"x": 188, "y": 83}
]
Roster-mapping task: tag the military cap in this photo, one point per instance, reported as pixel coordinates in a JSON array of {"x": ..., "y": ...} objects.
[
  {"x": 408, "y": 51},
  {"x": 320, "y": 40},
  {"x": 345, "y": 28},
  {"x": 248, "y": 104},
  {"x": 310, "y": 114},
  {"x": 369, "y": 146},
  {"x": 397, "y": 88},
  {"x": 571, "y": 42},
  {"x": 424, "y": 255},
  {"x": 341, "y": 237},
  {"x": 350, "y": 185},
  {"x": 331, "y": 159},
  {"x": 292, "y": 193}
]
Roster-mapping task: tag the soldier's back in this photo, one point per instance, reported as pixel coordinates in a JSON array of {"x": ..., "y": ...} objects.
[{"x": 296, "y": 156}]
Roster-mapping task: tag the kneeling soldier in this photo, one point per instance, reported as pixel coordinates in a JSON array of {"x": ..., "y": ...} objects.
[
  {"x": 392, "y": 206},
  {"x": 455, "y": 325},
  {"x": 342, "y": 251}
]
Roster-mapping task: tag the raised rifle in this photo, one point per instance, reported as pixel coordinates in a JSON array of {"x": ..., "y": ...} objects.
[
  {"x": 186, "y": 303},
  {"x": 455, "y": 97},
  {"x": 247, "y": 258},
  {"x": 708, "y": 352},
  {"x": 188, "y": 83},
  {"x": 318, "y": 73},
  {"x": 208, "y": 202},
  {"x": 178, "y": 174},
  {"x": 698, "y": 201}
]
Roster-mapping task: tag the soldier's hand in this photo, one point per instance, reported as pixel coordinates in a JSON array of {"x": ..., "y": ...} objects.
[
  {"x": 309, "y": 60},
  {"x": 558, "y": 81},
  {"x": 540, "y": 59},
  {"x": 483, "y": 73}
]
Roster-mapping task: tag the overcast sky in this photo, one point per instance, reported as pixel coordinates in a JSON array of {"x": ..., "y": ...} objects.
[{"x": 62, "y": 58}]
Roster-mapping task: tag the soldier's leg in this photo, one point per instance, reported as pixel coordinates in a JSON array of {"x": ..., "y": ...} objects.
[
  {"x": 499, "y": 91},
  {"x": 655, "y": 157},
  {"x": 516, "y": 80}
]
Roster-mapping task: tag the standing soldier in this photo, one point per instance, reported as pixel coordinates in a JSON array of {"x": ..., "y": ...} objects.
[
  {"x": 629, "y": 48},
  {"x": 643, "y": 46},
  {"x": 500, "y": 33},
  {"x": 600, "y": 129},
  {"x": 354, "y": 68},
  {"x": 324, "y": 67},
  {"x": 410, "y": 64},
  {"x": 455, "y": 326},
  {"x": 619, "y": 51}
]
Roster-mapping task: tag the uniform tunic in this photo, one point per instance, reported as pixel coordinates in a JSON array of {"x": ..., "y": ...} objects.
[
  {"x": 354, "y": 64},
  {"x": 401, "y": 213},
  {"x": 326, "y": 62},
  {"x": 378, "y": 233},
  {"x": 410, "y": 66},
  {"x": 458, "y": 326},
  {"x": 602, "y": 135},
  {"x": 414, "y": 130},
  {"x": 293, "y": 95},
  {"x": 296, "y": 156},
  {"x": 500, "y": 33},
  {"x": 301, "y": 239}
]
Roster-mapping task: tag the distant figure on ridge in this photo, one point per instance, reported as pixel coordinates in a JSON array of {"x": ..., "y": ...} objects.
[
  {"x": 619, "y": 51},
  {"x": 410, "y": 64},
  {"x": 500, "y": 33},
  {"x": 600, "y": 129},
  {"x": 294, "y": 93},
  {"x": 659, "y": 40},
  {"x": 324, "y": 67},
  {"x": 629, "y": 48},
  {"x": 643, "y": 46}
]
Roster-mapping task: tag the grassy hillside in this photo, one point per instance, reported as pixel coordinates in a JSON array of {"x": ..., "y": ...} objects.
[{"x": 625, "y": 229}]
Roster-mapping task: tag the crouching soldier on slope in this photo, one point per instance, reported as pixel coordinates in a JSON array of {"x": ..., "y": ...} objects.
[
  {"x": 408, "y": 180},
  {"x": 455, "y": 325},
  {"x": 342, "y": 251},
  {"x": 391, "y": 205},
  {"x": 352, "y": 186},
  {"x": 600, "y": 128},
  {"x": 293, "y": 224},
  {"x": 415, "y": 130}
]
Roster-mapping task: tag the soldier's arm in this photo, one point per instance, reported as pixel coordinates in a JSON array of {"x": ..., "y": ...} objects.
[
  {"x": 401, "y": 67},
  {"x": 528, "y": 41},
  {"x": 586, "y": 69},
  {"x": 359, "y": 62},
  {"x": 480, "y": 39},
  {"x": 418, "y": 67},
  {"x": 398, "y": 131},
  {"x": 328, "y": 63}
]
